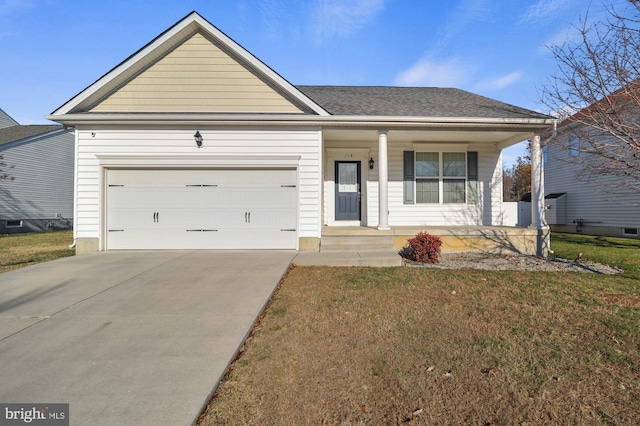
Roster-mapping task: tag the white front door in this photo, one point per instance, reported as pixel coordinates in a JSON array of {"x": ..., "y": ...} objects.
[{"x": 202, "y": 209}]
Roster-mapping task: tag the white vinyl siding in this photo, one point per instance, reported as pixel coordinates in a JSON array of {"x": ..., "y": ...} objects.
[
  {"x": 199, "y": 77},
  {"x": 486, "y": 212},
  {"x": 43, "y": 178},
  {"x": 596, "y": 205},
  {"x": 174, "y": 144}
]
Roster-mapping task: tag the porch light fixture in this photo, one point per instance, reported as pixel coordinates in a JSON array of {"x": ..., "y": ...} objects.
[
  {"x": 371, "y": 162},
  {"x": 198, "y": 138}
]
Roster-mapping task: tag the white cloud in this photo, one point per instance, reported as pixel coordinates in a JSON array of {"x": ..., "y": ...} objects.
[
  {"x": 470, "y": 13},
  {"x": 341, "y": 18},
  {"x": 544, "y": 10},
  {"x": 499, "y": 82},
  {"x": 425, "y": 72}
]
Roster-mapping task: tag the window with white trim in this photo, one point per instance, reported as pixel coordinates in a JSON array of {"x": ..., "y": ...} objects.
[
  {"x": 573, "y": 146},
  {"x": 440, "y": 177}
]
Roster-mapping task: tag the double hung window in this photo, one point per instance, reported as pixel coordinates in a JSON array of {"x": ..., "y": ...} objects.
[{"x": 440, "y": 177}]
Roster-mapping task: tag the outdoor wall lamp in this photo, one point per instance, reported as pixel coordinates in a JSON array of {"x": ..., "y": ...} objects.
[
  {"x": 198, "y": 138},
  {"x": 371, "y": 162}
]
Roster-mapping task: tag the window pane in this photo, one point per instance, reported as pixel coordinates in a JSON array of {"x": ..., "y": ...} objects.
[
  {"x": 574, "y": 147},
  {"x": 453, "y": 191},
  {"x": 347, "y": 177},
  {"x": 427, "y": 191},
  {"x": 453, "y": 164},
  {"x": 427, "y": 164}
]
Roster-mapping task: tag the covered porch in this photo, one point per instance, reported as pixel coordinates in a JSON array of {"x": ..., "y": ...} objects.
[
  {"x": 384, "y": 203},
  {"x": 369, "y": 246},
  {"x": 487, "y": 239}
]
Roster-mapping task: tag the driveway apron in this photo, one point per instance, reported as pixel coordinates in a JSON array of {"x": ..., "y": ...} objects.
[{"x": 135, "y": 337}]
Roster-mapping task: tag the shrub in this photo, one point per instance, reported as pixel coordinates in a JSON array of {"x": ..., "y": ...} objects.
[{"x": 424, "y": 248}]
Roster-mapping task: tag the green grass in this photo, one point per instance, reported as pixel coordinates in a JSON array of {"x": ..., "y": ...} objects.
[
  {"x": 621, "y": 252},
  {"x": 430, "y": 346},
  {"x": 20, "y": 250}
]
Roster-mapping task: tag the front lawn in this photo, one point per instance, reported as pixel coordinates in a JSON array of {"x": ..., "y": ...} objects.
[
  {"x": 20, "y": 250},
  {"x": 430, "y": 346}
]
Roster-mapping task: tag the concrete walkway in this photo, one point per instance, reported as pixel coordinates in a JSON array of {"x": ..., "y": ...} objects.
[{"x": 130, "y": 337}]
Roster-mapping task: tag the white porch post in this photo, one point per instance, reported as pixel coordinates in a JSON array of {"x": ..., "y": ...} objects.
[
  {"x": 537, "y": 198},
  {"x": 537, "y": 184},
  {"x": 383, "y": 182}
]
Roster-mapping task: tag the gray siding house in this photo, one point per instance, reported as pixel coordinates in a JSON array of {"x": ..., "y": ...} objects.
[
  {"x": 580, "y": 197},
  {"x": 39, "y": 160}
]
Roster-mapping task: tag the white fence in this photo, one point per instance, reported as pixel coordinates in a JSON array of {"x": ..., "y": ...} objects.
[{"x": 516, "y": 214}]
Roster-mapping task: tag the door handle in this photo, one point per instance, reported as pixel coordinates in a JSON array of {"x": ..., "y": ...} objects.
[{"x": 249, "y": 217}]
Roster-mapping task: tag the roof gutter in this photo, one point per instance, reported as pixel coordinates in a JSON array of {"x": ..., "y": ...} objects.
[{"x": 378, "y": 122}]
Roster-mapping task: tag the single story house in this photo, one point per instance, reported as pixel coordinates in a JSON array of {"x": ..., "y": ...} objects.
[
  {"x": 193, "y": 142},
  {"x": 37, "y": 194}
]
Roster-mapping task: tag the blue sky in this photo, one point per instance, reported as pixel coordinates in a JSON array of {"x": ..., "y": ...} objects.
[{"x": 50, "y": 50}]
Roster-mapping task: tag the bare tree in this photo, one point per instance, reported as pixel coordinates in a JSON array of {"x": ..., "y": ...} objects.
[
  {"x": 521, "y": 176},
  {"x": 4, "y": 175},
  {"x": 596, "y": 91}
]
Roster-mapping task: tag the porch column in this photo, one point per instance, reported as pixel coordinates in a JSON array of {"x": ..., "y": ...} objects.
[
  {"x": 537, "y": 184},
  {"x": 538, "y": 221},
  {"x": 383, "y": 182}
]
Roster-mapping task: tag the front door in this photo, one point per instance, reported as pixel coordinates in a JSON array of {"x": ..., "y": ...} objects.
[{"x": 347, "y": 190}]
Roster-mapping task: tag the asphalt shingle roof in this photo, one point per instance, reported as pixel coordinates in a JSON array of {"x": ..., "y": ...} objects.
[
  {"x": 16, "y": 133},
  {"x": 412, "y": 102}
]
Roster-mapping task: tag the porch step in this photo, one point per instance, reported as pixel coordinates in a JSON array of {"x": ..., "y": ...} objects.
[{"x": 356, "y": 244}]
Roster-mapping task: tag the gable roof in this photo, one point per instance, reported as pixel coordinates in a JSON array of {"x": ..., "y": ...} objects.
[
  {"x": 112, "y": 98},
  {"x": 16, "y": 133},
  {"x": 6, "y": 120},
  {"x": 597, "y": 113},
  {"x": 412, "y": 102},
  {"x": 167, "y": 42}
]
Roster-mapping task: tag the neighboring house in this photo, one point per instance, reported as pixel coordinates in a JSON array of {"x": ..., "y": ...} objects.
[
  {"x": 192, "y": 142},
  {"x": 39, "y": 195},
  {"x": 6, "y": 120},
  {"x": 581, "y": 200}
]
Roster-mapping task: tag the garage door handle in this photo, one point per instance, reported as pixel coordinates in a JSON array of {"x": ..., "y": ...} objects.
[
  {"x": 156, "y": 217},
  {"x": 116, "y": 230},
  {"x": 202, "y": 230},
  {"x": 247, "y": 217},
  {"x": 288, "y": 230},
  {"x": 287, "y": 186}
]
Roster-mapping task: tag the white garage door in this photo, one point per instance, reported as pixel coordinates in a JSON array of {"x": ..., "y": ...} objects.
[{"x": 201, "y": 209}]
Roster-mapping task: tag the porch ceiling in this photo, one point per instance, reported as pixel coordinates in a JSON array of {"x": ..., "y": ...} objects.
[{"x": 501, "y": 138}]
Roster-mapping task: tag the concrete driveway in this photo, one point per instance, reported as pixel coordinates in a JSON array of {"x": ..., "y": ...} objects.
[{"x": 130, "y": 337}]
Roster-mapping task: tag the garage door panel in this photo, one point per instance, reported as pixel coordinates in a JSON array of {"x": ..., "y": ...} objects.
[{"x": 201, "y": 209}]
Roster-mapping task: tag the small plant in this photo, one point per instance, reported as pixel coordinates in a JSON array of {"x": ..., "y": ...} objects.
[{"x": 424, "y": 248}]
